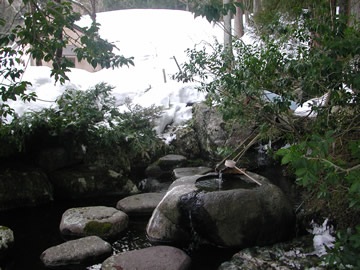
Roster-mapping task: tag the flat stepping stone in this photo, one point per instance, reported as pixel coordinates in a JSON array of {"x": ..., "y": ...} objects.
[
  {"x": 140, "y": 204},
  {"x": 163, "y": 167},
  {"x": 102, "y": 221},
  {"x": 171, "y": 160},
  {"x": 151, "y": 258},
  {"x": 81, "y": 252},
  {"x": 189, "y": 171}
]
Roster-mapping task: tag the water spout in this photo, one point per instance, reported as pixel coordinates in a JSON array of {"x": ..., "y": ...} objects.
[{"x": 220, "y": 180}]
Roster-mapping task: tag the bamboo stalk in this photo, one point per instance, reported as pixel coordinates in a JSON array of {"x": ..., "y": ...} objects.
[{"x": 232, "y": 164}]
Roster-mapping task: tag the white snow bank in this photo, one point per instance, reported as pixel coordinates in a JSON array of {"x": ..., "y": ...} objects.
[{"x": 153, "y": 37}]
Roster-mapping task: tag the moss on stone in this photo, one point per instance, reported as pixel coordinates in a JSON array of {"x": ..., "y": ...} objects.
[{"x": 98, "y": 228}]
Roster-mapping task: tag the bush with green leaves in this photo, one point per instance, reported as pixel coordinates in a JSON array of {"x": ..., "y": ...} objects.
[
  {"x": 90, "y": 118},
  {"x": 318, "y": 56}
]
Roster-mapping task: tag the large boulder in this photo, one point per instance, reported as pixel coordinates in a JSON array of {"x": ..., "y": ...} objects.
[
  {"x": 54, "y": 158},
  {"x": 102, "y": 221},
  {"x": 82, "y": 182},
  {"x": 240, "y": 216},
  {"x": 156, "y": 258},
  {"x": 186, "y": 142},
  {"x": 77, "y": 253},
  {"x": 24, "y": 187},
  {"x": 214, "y": 132}
]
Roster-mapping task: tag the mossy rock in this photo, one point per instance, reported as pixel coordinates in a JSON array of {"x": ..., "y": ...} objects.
[
  {"x": 105, "y": 222},
  {"x": 98, "y": 228}
]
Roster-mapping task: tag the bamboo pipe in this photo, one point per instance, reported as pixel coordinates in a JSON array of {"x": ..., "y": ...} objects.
[{"x": 232, "y": 164}]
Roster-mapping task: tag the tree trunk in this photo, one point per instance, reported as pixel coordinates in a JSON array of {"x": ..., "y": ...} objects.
[
  {"x": 93, "y": 9},
  {"x": 256, "y": 6},
  {"x": 354, "y": 10},
  {"x": 59, "y": 51},
  {"x": 344, "y": 7},
  {"x": 38, "y": 62},
  {"x": 239, "y": 21},
  {"x": 227, "y": 29}
]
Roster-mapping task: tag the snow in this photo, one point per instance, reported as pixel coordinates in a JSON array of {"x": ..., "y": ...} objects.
[
  {"x": 305, "y": 110},
  {"x": 322, "y": 237},
  {"x": 153, "y": 38}
]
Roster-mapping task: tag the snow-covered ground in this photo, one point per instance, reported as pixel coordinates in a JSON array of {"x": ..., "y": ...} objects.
[{"x": 153, "y": 38}]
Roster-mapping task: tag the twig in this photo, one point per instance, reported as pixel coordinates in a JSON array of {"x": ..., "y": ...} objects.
[
  {"x": 237, "y": 148},
  {"x": 177, "y": 63}
]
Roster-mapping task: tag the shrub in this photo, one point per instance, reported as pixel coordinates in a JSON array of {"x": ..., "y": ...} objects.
[{"x": 90, "y": 118}]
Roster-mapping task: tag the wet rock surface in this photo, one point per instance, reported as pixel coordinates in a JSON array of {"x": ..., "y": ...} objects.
[
  {"x": 102, "y": 221},
  {"x": 151, "y": 258},
  {"x": 77, "y": 253},
  {"x": 241, "y": 217}
]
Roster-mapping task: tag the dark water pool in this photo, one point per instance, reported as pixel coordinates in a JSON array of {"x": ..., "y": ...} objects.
[{"x": 36, "y": 229}]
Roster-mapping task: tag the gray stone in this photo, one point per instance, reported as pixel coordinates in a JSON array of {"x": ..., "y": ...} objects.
[
  {"x": 6, "y": 240},
  {"x": 294, "y": 254},
  {"x": 140, "y": 204},
  {"x": 84, "y": 182},
  {"x": 239, "y": 217},
  {"x": 171, "y": 160},
  {"x": 186, "y": 143},
  {"x": 162, "y": 169},
  {"x": 153, "y": 185},
  {"x": 164, "y": 224},
  {"x": 24, "y": 187},
  {"x": 188, "y": 171},
  {"x": 210, "y": 128},
  {"x": 152, "y": 258},
  {"x": 55, "y": 158},
  {"x": 154, "y": 171},
  {"x": 102, "y": 221},
  {"x": 81, "y": 252},
  {"x": 213, "y": 131}
]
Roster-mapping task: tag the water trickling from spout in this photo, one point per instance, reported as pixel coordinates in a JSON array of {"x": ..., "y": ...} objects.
[
  {"x": 220, "y": 180},
  {"x": 195, "y": 243}
]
